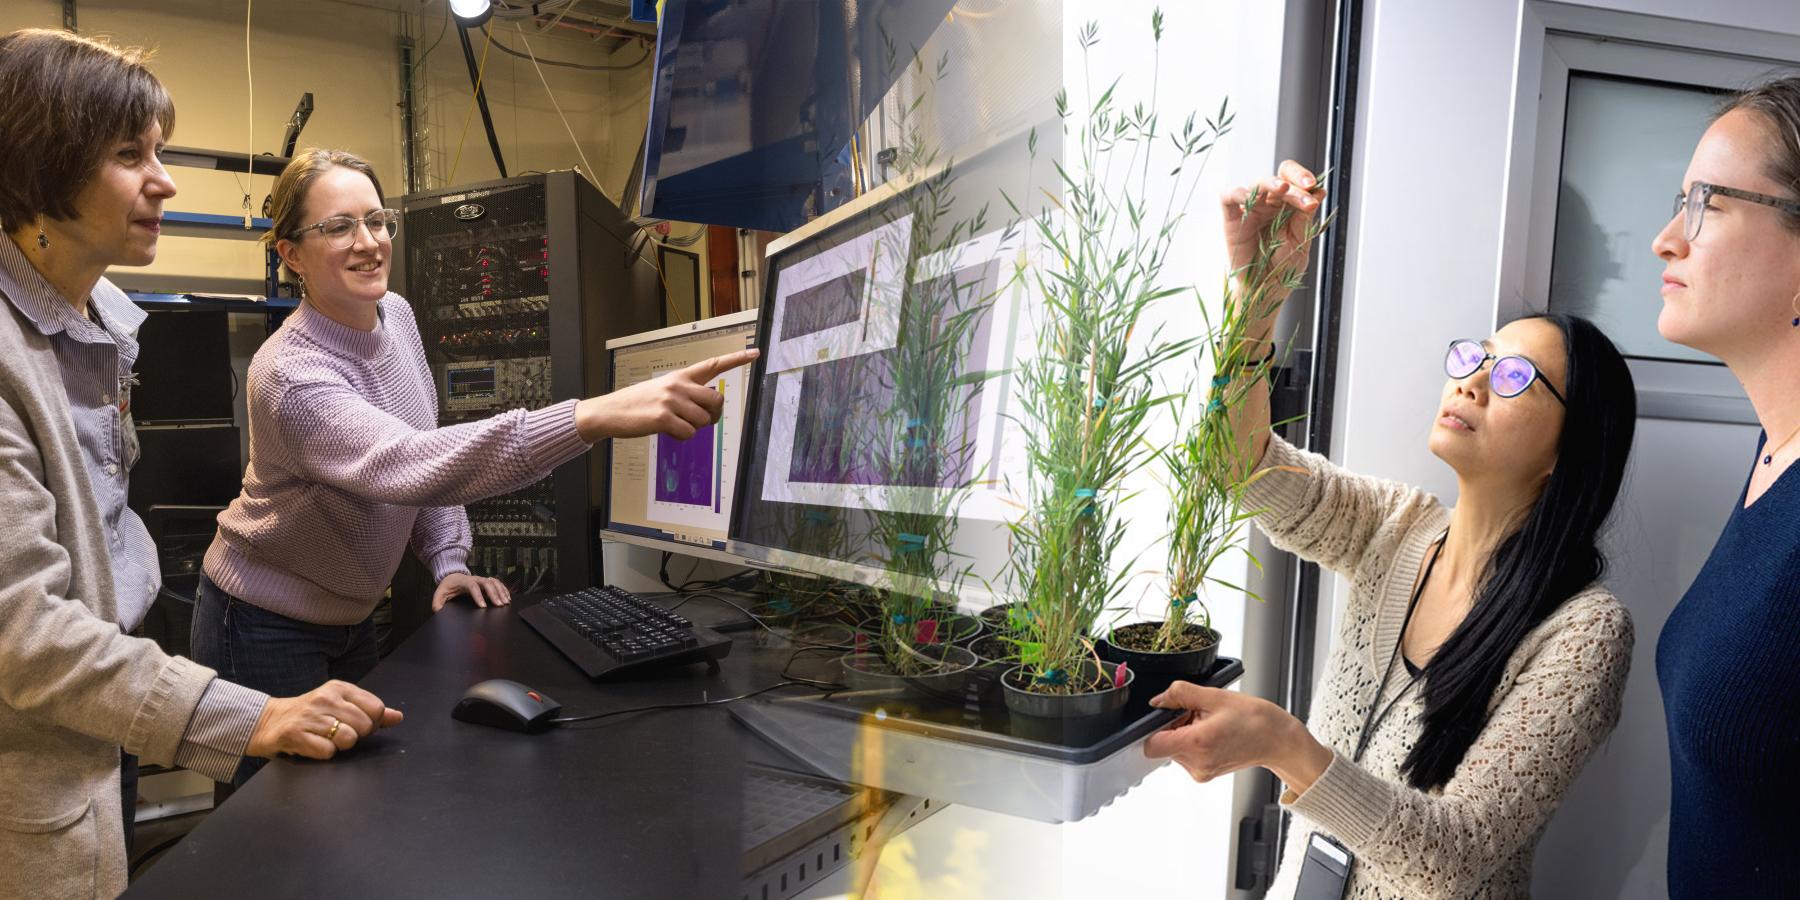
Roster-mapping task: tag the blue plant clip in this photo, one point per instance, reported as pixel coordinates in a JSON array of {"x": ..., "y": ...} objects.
[
  {"x": 1087, "y": 494},
  {"x": 1054, "y": 676},
  {"x": 908, "y": 543},
  {"x": 1220, "y": 381},
  {"x": 813, "y": 515},
  {"x": 901, "y": 618},
  {"x": 914, "y": 423},
  {"x": 1182, "y": 602}
]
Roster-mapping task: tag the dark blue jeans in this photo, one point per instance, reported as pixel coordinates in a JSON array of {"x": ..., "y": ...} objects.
[{"x": 272, "y": 653}]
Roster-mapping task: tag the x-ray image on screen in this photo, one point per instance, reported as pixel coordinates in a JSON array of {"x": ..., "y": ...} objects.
[{"x": 687, "y": 471}]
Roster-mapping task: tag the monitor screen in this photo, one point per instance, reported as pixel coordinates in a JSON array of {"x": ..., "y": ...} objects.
[
  {"x": 883, "y": 418},
  {"x": 666, "y": 489}
]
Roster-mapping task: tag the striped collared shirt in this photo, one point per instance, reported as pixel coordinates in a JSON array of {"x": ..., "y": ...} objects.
[{"x": 96, "y": 356}]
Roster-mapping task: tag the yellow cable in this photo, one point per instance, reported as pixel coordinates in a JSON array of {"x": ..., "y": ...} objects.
[{"x": 474, "y": 95}]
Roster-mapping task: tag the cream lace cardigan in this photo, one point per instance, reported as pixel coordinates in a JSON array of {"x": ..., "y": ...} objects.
[{"x": 1556, "y": 702}]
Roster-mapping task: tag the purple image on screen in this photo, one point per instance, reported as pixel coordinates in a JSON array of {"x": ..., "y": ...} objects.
[
  {"x": 684, "y": 469},
  {"x": 839, "y": 422}
]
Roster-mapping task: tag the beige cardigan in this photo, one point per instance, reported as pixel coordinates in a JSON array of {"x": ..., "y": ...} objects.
[
  {"x": 73, "y": 689},
  {"x": 1556, "y": 702}
]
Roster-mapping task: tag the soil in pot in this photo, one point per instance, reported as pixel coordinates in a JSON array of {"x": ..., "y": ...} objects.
[
  {"x": 995, "y": 651},
  {"x": 1070, "y": 715},
  {"x": 1196, "y": 648}
]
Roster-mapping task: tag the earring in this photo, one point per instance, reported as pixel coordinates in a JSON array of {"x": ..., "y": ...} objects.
[{"x": 43, "y": 240}]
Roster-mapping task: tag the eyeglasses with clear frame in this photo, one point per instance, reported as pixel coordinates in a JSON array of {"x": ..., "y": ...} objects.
[
  {"x": 1691, "y": 206},
  {"x": 1510, "y": 376},
  {"x": 340, "y": 231}
]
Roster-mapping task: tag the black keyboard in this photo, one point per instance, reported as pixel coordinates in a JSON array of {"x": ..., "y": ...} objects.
[{"x": 607, "y": 629}]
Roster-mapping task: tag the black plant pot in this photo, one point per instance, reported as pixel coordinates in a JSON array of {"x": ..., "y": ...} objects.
[
  {"x": 1156, "y": 671},
  {"x": 948, "y": 683},
  {"x": 994, "y": 654},
  {"x": 1074, "y": 719},
  {"x": 997, "y": 618},
  {"x": 954, "y": 628}
]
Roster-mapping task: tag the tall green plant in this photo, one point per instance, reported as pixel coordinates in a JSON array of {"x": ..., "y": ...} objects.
[
  {"x": 922, "y": 440},
  {"x": 1090, "y": 391},
  {"x": 1207, "y": 473}
]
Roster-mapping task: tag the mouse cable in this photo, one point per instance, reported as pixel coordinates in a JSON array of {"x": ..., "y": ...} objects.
[
  {"x": 565, "y": 720},
  {"x": 828, "y": 687}
]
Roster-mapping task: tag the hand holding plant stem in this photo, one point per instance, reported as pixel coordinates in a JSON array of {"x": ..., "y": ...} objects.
[{"x": 1269, "y": 228}]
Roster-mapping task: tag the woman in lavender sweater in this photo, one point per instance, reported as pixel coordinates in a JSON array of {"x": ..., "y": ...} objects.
[{"x": 347, "y": 467}]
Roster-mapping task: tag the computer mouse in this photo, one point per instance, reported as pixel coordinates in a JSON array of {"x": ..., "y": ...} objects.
[{"x": 500, "y": 703}]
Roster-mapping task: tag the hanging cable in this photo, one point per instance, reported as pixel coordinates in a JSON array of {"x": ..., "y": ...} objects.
[
  {"x": 553, "y": 104},
  {"x": 588, "y": 67},
  {"x": 249, "y": 114},
  {"x": 479, "y": 102},
  {"x": 442, "y": 30}
]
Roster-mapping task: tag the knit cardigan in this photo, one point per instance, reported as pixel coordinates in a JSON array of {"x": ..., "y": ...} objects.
[{"x": 1556, "y": 701}]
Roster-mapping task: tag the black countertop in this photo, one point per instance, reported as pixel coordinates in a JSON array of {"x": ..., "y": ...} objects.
[{"x": 639, "y": 805}]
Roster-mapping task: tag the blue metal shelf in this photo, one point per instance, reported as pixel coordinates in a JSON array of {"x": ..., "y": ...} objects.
[
  {"x": 211, "y": 225},
  {"x": 206, "y": 301}
]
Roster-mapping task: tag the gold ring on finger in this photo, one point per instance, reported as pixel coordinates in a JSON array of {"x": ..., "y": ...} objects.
[{"x": 335, "y": 725}]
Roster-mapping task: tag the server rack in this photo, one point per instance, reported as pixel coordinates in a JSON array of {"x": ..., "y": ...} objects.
[{"x": 517, "y": 285}]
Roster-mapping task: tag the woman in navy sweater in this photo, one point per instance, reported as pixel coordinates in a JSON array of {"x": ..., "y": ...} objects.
[{"x": 1729, "y": 657}]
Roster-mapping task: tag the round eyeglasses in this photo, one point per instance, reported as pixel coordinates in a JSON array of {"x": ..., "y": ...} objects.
[
  {"x": 340, "y": 231},
  {"x": 1691, "y": 206},
  {"x": 1510, "y": 376}
]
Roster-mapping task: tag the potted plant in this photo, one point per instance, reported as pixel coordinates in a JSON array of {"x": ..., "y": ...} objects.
[
  {"x": 1208, "y": 475},
  {"x": 1089, "y": 392},
  {"x": 920, "y": 441}
]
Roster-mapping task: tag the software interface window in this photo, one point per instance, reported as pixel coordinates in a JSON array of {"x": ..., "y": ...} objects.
[
  {"x": 674, "y": 489},
  {"x": 885, "y": 417}
]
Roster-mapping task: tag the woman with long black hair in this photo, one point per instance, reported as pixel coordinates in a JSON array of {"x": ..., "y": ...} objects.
[{"x": 1480, "y": 662}]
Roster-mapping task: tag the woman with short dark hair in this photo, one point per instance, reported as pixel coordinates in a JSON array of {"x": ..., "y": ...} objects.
[
  {"x": 1730, "y": 652},
  {"x": 1480, "y": 661},
  {"x": 81, "y": 189}
]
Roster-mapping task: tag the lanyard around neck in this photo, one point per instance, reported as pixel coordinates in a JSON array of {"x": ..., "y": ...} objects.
[{"x": 1371, "y": 721}]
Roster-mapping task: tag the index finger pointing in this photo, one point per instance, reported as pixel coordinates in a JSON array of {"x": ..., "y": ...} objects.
[{"x": 708, "y": 369}]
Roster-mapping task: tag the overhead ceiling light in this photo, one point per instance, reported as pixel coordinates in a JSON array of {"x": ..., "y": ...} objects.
[{"x": 471, "y": 13}]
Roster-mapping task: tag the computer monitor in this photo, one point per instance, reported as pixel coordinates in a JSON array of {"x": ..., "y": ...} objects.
[
  {"x": 884, "y": 444},
  {"x": 665, "y": 493}
]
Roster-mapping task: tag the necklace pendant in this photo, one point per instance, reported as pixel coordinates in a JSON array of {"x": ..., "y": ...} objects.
[{"x": 1768, "y": 459}]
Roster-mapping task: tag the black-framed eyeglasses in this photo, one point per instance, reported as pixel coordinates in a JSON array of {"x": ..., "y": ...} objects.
[
  {"x": 340, "y": 231},
  {"x": 1510, "y": 376},
  {"x": 1691, "y": 206}
]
